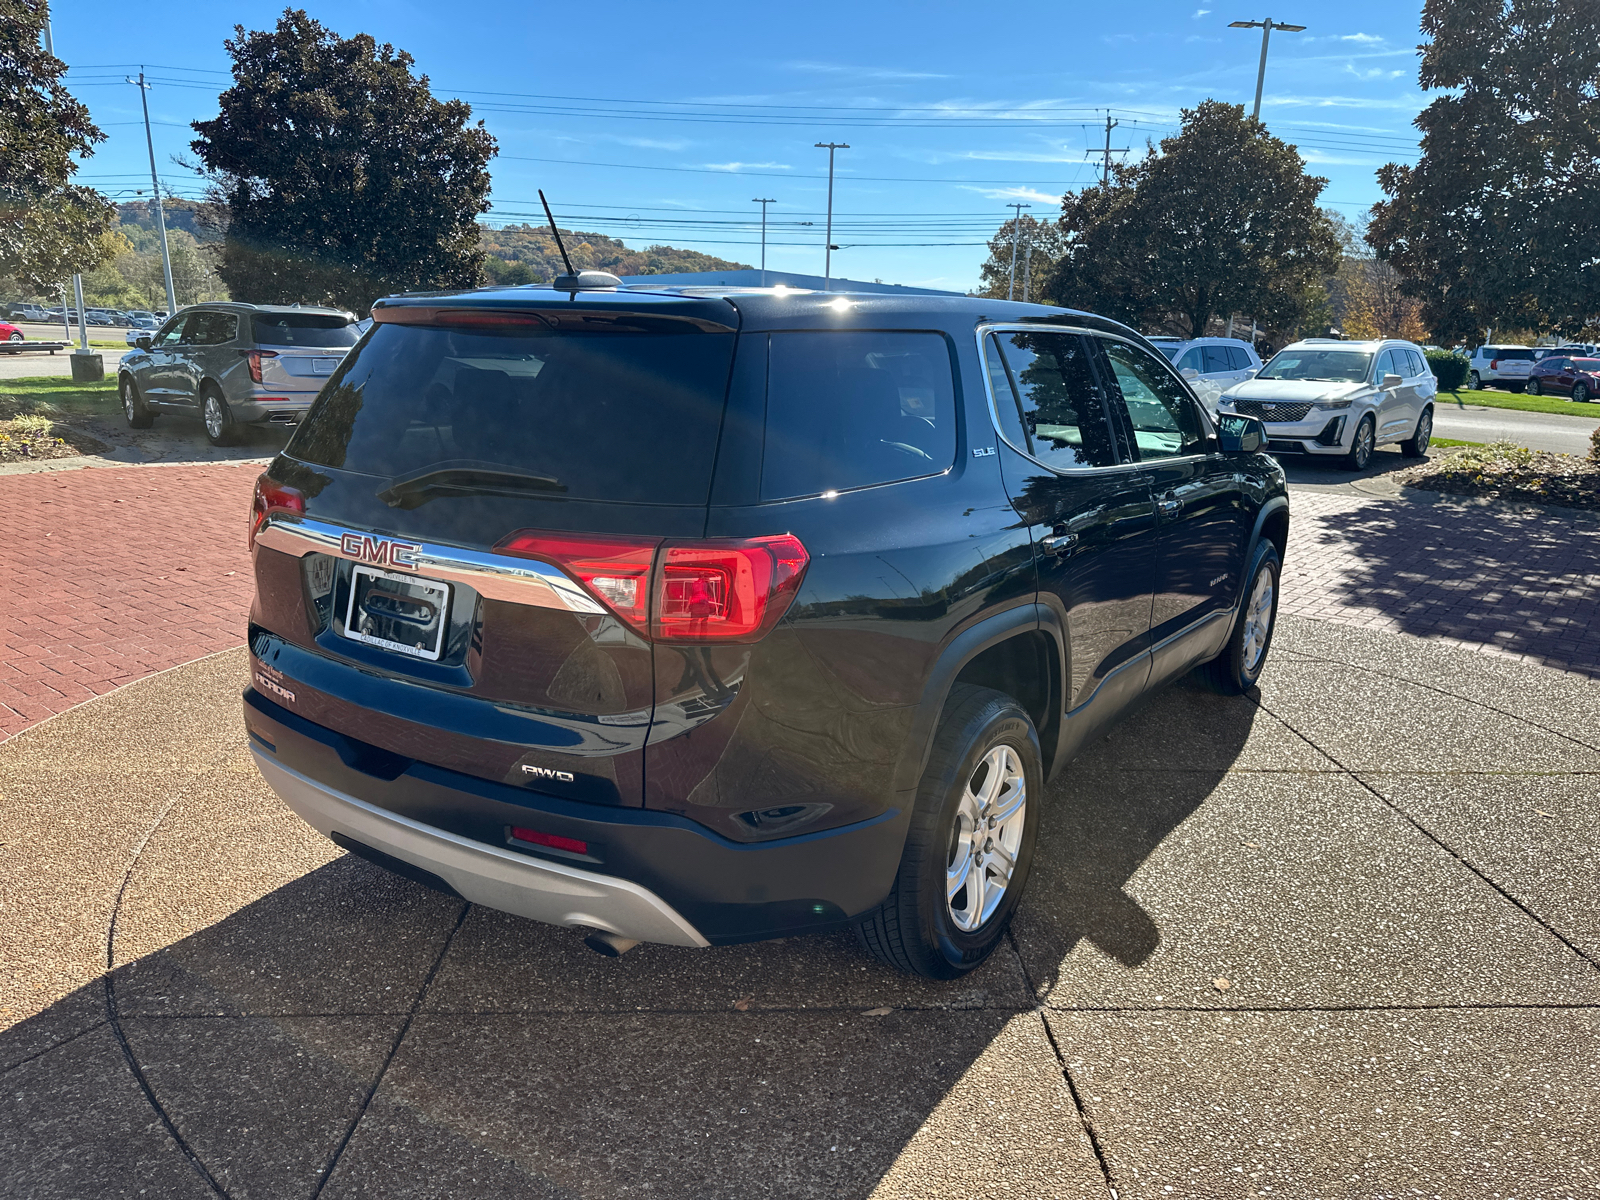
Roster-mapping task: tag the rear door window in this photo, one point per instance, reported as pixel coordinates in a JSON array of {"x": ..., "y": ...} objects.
[
  {"x": 850, "y": 409},
  {"x": 628, "y": 414},
  {"x": 1217, "y": 360},
  {"x": 1054, "y": 396},
  {"x": 314, "y": 330},
  {"x": 1191, "y": 359}
]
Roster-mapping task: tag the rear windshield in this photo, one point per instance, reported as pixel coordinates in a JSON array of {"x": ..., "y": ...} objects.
[
  {"x": 1329, "y": 366},
  {"x": 303, "y": 329},
  {"x": 1514, "y": 353},
  {"x": 849, "y": 409},
  {"x": 628, "y": 416}
]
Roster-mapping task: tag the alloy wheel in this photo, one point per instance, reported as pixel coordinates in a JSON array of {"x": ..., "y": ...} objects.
[
  {"x": 1424, "y": 432},
  {"x": 1535, "y": 387},
  {"x": 213, "y": 416},
  {"x": 1361, "y": 452},
  {"x": 1580, "y": 393},
  {"x": 127, "y": 400},
  {"x": 987, "y": 838},
  {"x": 1258, "y": 619}
]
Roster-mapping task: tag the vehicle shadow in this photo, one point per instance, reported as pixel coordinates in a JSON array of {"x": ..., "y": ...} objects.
[{"x": 353, "y": 1021}]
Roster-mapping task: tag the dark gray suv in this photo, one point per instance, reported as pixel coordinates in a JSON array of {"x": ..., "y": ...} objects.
[{"x": 233, "y": 364}]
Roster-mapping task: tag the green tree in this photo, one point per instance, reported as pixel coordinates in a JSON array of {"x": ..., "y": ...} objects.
[
  {"x": 1222, "y": 219},
  {"x": 1044, "y": 239},
  {"x": 49, "y": 226},
  {"x": 344, "y": 179},
  {"x": 1498, "y": 221}
]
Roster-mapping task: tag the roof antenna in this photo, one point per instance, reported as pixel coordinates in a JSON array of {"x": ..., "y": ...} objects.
[{"x": 574, "y": 281}]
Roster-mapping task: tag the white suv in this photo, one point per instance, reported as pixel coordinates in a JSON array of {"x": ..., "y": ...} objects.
[
  {"x": 1507, "y": 366},
  {"x": 1338, "y": 399},
  {"x": 1212, "y": 365}
]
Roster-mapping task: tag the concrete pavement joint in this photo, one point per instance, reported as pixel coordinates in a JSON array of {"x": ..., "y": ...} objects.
[
  {"x": 405, "y": 1027},
  {"x": 1433, "y": 837},
  {"x": 66, "y": 1041}
]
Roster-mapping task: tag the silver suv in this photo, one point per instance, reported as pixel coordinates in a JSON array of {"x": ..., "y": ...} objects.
[{"x": 234, "y": 364}]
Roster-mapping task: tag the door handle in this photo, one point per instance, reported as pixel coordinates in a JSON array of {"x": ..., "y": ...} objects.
[
  {"x": 1060, "y": 542},
  {"x": 1169, "y": 506}
]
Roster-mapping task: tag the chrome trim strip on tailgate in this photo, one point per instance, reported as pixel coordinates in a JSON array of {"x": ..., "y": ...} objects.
[
  {"x": 493, "y": 576},
  {"x": 551, "y": 892}
]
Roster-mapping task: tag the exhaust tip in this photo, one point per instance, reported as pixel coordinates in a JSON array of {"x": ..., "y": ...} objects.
[{"x": 609, "y": 945}]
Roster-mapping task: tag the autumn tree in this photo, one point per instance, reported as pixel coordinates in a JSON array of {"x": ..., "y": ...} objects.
[
  {"x": 1220, "y": 219},
  {"x": 49, "y": 226},
  {"x": 1039, "y": 248},
  {"x": 344, "y": 179},
  {"x": 1498, "y": 221}
]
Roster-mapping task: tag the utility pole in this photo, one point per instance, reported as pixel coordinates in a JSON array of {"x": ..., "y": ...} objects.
[
  {"x": 1266, "y": 28},
  {"x": 1105, "y": 171},
  {"x": 763, "y": 204},
  {"x": 1016, "y": 234},
  {"x": 827, "y": 255},
  {"x": 1027, "y": 269},
  {"x": 161, "y": 216}
]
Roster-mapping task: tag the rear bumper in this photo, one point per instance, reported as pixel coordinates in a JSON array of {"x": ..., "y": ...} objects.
[
  {"x": 272, "y": 407},
  {"x": 542, "y": 891},
  {"x": 647, "y": 874}
]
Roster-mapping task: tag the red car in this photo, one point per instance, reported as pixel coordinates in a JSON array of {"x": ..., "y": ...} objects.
[
  {"x": 1578, "y": 377},
  {"x": 9, "y": 333}
]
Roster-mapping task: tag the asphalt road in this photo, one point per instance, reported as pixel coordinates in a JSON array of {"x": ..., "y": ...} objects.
[{"x": 1537, "y": 431}]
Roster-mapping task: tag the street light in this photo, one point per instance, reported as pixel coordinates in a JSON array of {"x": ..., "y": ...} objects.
[
  {"x": 827, "y": 255},
  {"x": 1266, "y": 28},
  {"x": 763, "y": 204}
]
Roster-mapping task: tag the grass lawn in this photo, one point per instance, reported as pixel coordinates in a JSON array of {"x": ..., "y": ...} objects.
[
  {"x": 1450, "y": 442},
  {"x": 1524, "y": 402},
  {"x": 55, "y": 395}
]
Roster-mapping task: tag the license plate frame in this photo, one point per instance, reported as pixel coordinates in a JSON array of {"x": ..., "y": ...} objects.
[
  {"x": 398, "y": 607},
  {"x": 324, "y": 366}
]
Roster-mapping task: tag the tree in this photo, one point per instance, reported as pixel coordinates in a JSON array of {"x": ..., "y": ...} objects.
[
  {"x": 1222, "y": 219},
  {"x": 1497, "y": 224},
  {"x": 49, "y": 226},
  {"x": 344, "y": 179},
  {"x": 1044, "y": 238}
]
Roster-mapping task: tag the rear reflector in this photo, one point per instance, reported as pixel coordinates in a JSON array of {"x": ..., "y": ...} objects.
[
  {"x": 551, "y": 840},
  {"x": 711, "y": 589},
  {"x": 272, "y": 496}
]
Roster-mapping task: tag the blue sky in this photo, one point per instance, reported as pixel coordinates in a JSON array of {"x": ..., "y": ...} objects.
[{"x": 660, "y": 122}]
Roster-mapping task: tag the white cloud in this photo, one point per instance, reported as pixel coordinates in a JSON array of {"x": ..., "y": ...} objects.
[
  {"x": 747, "y": 166},
  {"x": 863, "y": 72},
  {"x": 1027, "y": 195},
  {"x": 1198, "y": 13},
  {"x": 1365, "y": 39},
  {"x": 1016, "y": 156},
  {"x": 649, "y": 143}
]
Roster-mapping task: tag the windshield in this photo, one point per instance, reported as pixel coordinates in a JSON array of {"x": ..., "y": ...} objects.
[
  {"x": 319, "y": 330},
  {"x": 1326, "y": 366},
  {"x": 621, "y": 416}
]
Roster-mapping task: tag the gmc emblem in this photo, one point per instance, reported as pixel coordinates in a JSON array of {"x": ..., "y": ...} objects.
[{"x": 380, "y": 551}]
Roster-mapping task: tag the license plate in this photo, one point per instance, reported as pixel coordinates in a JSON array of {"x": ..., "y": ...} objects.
[
  {"x": 398, "y": 612},
  {"x": 324, "y": 366}
]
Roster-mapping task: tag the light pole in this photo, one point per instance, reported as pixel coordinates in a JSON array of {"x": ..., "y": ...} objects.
[
  {"x": 161, "y": 216},
  {"x": 827, "y": 255},
  {"x": 1016, "y": 234},
  {"x": 1266, "y": 28},
  {"x": 763, "y": 204}
]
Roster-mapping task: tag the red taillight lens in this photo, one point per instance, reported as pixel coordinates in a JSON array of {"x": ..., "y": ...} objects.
[
  {"x": 1494, "y": 364},
  {"x": 254, "y": 357},
  {"x": 616, "y": 570},
  {"x": 714, "y": 589},
  {"x": 272, "y": 496},
  {"x": 553, "y": 840}
]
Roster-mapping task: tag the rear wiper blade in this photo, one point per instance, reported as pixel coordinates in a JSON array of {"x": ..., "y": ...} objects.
[{"x": 463, "y": 477}]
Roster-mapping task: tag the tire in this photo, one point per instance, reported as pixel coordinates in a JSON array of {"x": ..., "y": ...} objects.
[
  {"x": 15, "y": 337},
  {"x": 920, "y": 928},
  {"x": 1362, "y": 443},
  {"x": 1475, "y": 381},
  {"x": 221, "y": 429},
  {"x": 1535, "y": 388},
  {"x": 133, "y": 405},
  {"x": 1580, "y": 393},
  {"x": 1236, "y": 670},
  {"x": 1416, "y": 445}
]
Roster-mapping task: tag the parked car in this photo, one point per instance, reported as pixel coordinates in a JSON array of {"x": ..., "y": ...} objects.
[
  {"x": 1338, "y": 399},
  {"x": 1561, "y": 373},
  {"x": 233, "y": 365},
  {"x": 1505, "y": 366},
  {"x": 705, "y": 618},
  {"x": 9, "y": 332},
  {"x": 1211, "y": 365},
  {"x": 26, "y": 312}
]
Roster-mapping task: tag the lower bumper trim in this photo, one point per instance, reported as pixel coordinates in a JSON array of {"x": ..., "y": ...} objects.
[{"x": 550, "y": 892}]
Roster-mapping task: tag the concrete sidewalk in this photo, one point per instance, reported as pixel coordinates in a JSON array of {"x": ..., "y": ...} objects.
[{"x": 1340, "y": 940}]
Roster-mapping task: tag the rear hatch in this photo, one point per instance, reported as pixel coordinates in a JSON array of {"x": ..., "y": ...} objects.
[
  {"x": 298, "y": 351},
  {"x": 589, "y": 430},
  {"x": 1511, "y": 360}
]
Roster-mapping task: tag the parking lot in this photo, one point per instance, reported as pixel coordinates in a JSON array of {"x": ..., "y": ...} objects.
[{"x": 1339, "y": 938}]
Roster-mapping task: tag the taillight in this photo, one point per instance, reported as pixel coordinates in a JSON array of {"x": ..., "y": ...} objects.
[
  {"x": 1494, "y": 364},
  {"x": 272, "y": 496},
  {"x": 254, "y": 357},
  {"x": 713, "y": 589}
]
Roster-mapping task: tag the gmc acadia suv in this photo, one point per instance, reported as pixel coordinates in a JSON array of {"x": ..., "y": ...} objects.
[{"x": 704, "y": 616}]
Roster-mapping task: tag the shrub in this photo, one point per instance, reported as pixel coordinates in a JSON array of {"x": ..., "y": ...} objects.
[
  {"x": 1594, "y": 446},
  {"x": 1449, "y": 368}
]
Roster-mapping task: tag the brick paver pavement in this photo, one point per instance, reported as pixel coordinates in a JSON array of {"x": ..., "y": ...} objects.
[{"x": 110, "y": 575}]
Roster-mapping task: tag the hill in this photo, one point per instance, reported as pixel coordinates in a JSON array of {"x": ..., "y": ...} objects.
[
  {"x": 528, "y": 254},
  {"x": 201, "y": 221}
]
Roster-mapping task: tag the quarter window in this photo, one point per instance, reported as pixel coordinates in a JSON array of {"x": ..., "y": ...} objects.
[
  {"x": 1164, "y": 420},
  {"x": 1051, "y": 386}
]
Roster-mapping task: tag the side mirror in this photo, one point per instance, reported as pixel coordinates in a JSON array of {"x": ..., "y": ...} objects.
[
  {"x": 1392, "y": 381},
  {"x": 1251, "y": 372},
  {"x": 142, "y": 341},
  {"x": 1189, "y": 373},
  {"x": 1241, "y": 434}
]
